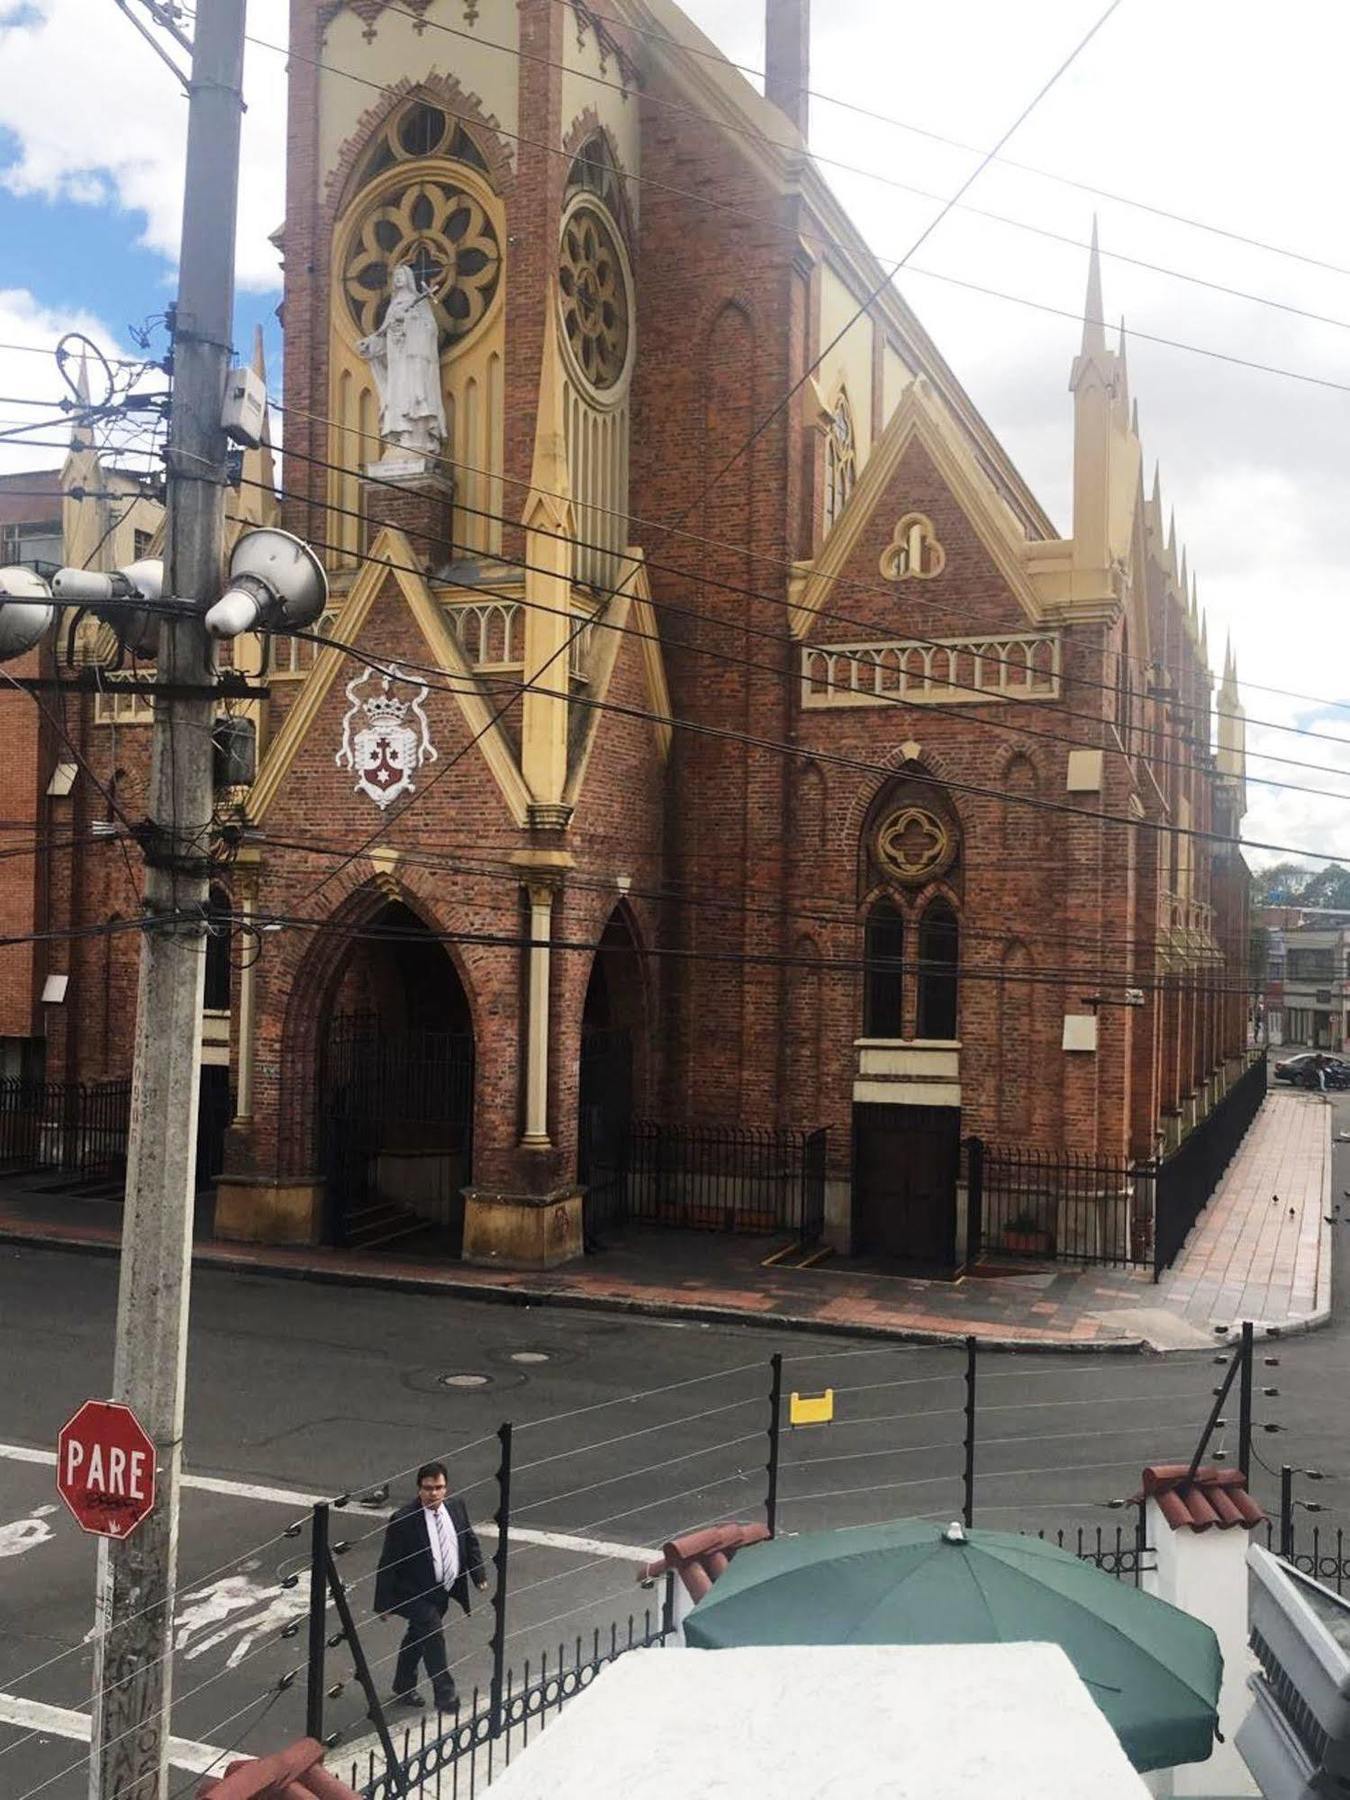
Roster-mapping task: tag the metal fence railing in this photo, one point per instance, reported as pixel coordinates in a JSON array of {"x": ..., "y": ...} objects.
[
  {"x": 740, "y": 1178},
  {"x": 1188, "y": 1177},
  {"x": 1056, "y": 1205},
  {"x": 77, "y": 1127}
]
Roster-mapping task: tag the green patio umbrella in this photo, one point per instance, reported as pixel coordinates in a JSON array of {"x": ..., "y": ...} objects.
[{"x": 1153, "y": 1670}]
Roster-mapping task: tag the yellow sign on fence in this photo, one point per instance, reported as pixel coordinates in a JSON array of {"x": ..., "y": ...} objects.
[{"x": 811, "y": 1409}]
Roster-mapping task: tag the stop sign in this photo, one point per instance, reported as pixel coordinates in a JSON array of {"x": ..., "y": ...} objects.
[{"x": 105, "y": 1468}]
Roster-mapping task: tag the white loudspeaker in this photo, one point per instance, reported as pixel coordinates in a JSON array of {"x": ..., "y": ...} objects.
[
  {"x": 276, "y": 584},
  {"x": 108, "y": 594},
  {"x": 26, "y": 611}
]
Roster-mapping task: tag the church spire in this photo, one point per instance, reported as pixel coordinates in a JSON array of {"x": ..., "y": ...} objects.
[{"x": 1094, "y": 329}]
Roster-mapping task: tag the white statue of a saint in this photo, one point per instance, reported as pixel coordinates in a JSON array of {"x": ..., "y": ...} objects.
[{"x": 404, "y": 357}]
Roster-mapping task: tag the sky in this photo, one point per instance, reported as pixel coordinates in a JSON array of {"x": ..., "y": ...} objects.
[{"x": 1182, "y": 106}]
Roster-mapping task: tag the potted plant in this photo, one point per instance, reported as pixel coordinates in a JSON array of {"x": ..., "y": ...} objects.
[{"x": 1025, "y": 1235}]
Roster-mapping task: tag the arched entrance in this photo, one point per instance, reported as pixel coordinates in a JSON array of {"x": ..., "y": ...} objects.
[
  {"x": 394, "y": 1118},
  {"x": 613, "y": 1046}
]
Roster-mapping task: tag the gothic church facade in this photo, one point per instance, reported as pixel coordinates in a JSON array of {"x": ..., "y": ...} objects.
[{"x": 716, "y": 732}]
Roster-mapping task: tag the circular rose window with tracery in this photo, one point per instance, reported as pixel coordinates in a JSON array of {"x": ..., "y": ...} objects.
[
  {"x": 915, "y": 844},
  {"x": 444, "y": 234},
  {"x": 594, "y": 295}
]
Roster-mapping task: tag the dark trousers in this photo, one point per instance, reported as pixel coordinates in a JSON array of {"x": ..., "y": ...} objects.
[{"x": 424, "y": 1642}]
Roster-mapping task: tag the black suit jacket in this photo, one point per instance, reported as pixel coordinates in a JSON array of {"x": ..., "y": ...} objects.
[{"x": 407, "y": 1572}]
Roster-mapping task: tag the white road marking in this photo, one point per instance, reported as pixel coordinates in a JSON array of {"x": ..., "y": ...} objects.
[
  {"x": 26, "y": 1534},
  {"x": 247, "y": 1490},
  {"x": 63, "y": 1721}
]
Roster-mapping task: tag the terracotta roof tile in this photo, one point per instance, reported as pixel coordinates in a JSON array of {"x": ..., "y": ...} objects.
[
  {"x": 1215, "y": 1497},
  {"x": 699, "y": 1557}
]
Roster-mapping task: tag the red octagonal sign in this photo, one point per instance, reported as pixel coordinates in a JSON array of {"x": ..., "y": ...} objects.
[{"x": 105, "y": 1468}]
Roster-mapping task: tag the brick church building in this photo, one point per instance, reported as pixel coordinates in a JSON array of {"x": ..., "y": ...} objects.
[{"x": 692, "y": 777}]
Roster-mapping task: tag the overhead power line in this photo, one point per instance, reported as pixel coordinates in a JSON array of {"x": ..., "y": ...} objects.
[
  {"x": 429, "y": 673},
  {"x": 795, "y": 646},
  {"x": 795, "y": 149},
  {"x": 700, "y": 577},
  {"x": 951, "y": 143},
  {"x": 805, "y": 232}
]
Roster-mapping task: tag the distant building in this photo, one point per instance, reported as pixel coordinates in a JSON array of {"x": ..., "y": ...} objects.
[
  {"x": 94, "y": 514},
  {"x": 1316, "y": 986}
]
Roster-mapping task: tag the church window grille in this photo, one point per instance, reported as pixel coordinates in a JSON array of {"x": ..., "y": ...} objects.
[
  {"x": 914, "y": 552},
  {"x": 939, "y": 948},
  {"x": 841, "y": 461},
  {"x": 593, "y": 291},
  {"x": 883, "y": 966}
]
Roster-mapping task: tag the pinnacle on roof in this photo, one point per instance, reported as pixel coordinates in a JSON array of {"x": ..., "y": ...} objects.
[{"x": 1094, "y": 331}]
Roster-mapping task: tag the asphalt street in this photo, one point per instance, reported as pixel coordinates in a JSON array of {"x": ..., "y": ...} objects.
[{"x": 626, "y": 1431}]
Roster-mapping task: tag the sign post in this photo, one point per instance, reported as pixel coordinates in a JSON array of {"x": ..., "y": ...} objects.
[{"x": 105, "y": 1469}]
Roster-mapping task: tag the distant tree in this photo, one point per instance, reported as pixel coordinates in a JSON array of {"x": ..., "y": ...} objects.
[
  {"x": 1282, "y": 884},
  {"x": 1328, "y": 887}
]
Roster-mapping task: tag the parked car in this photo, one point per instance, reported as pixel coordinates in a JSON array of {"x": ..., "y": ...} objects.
[{"x": 1301, "y": 1071}]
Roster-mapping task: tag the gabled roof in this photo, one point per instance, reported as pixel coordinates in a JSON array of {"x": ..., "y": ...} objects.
[
  {"x": 920, "y": 417},
  {"x": 392, "y": 555}
]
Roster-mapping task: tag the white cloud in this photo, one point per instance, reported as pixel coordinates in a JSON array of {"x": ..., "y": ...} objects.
[
  {"x": 1205, "y": 112},
  {"x": 25, "y": 322},
  {"x": 116, "y": 132}
]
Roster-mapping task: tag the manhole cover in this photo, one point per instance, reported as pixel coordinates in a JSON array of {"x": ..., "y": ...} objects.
[
  {"x": 469, "y": 1381},
  {"x": 529, "y": 1356}
]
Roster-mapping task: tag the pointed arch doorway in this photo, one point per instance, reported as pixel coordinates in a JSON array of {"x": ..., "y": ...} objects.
[
  {"x": 396, "y": 1086},
  {"x": 613, "y": 1040}
]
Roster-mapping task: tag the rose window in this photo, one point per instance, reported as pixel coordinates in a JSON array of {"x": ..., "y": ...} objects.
[
  {"x": 446, "y": 238},
  {"x": 915, "y": 844},
  {"x": 594, "y": 290}
]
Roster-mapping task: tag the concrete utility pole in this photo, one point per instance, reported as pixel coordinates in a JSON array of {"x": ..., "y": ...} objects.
[{"x": 133, "y": 1652}]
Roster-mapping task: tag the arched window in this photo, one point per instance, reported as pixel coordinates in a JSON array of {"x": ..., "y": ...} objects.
[
  {"x": 216, "y": 990},
  {"x": 939, "y": 944},
  {"x": 841, "y": 461},
  {"x": 883, "y": 971}
]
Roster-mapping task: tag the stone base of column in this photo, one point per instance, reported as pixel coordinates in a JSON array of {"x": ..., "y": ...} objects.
[
  {"x": 522, "y": 1231},
  {"x": 252, "y": 1209},
  {"x": 415, "y": 500}
]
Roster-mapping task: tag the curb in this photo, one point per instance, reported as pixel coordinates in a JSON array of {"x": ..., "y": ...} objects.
[{"x": 503, "y": 1295}]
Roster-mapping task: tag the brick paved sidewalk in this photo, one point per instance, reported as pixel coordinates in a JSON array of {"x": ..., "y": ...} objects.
[{"x": 1246, "y": 1258}]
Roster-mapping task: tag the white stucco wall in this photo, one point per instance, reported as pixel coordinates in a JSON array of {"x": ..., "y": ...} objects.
[
  {"x": 932, "y": 1722},
  {"x": 1205, "y": 1574}
]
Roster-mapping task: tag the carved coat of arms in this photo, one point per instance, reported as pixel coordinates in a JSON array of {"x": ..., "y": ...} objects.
[{"x": 385, "y": 751}]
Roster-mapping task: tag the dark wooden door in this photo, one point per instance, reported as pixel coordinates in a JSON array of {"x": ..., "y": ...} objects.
[{"x": 905, "y": 1162}]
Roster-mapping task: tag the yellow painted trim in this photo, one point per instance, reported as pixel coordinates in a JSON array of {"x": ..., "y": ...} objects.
[
  {"x": 631, "y": 606},
  {"x": 445, "y": 653},
  {"x": 919, "y": 415}
]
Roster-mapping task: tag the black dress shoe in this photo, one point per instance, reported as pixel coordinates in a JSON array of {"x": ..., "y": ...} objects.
[
  {"x": 411, "y": 1698},
  {"x": 447, "y": 1699}
]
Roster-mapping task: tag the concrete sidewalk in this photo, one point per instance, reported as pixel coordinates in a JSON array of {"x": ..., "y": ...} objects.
[{"x": 1261, "y": 1250}]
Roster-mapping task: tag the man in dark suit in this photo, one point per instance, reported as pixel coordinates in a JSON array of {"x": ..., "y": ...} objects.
[{"x": 430, "y": 1555}]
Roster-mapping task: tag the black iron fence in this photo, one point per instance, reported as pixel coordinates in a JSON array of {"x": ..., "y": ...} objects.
[
  {"x": 457, "y": 1752},
  {"x": 79, "y": 1128},
  {"x": 1025, "y": 1204},
  {"x": 1188, "y": 1177},
  {"x": 711, "y": 1177}
]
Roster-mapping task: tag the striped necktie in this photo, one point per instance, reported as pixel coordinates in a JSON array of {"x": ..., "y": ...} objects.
[{"x": 443, "y": 1539}]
